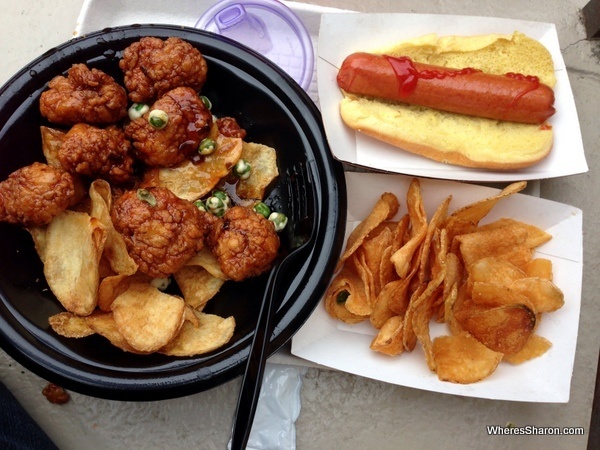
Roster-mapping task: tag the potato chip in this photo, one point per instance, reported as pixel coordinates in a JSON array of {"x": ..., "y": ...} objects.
[
  {"x": 197, "y": 285},
  {"x": 545, "y": 295},
  {"x": 371, "y": 264},
  {"x": 463, "y": 359},
  {"x": 389, "y": 338},
  {"x": 409, "y": 338},
  {"x": 451, "y": 282},
  {"x": 387, "y": 272},
  {"x": 450, "y": 298},
  {"x": 421, "y": 317},
  {"x": 386, "y": 207},
  {"x": 114, "y": 285},
  {"x": 191, "y": 181},
  {"x": 70, "y": 325},
  {"x": 535, "y": 235},
  {"x": 504, "y": 329},
  {"x": 263, "y": 170},
  {"x": 210, "y": 333},
  {"x": 401, "y": 234},
  {"x": 361, "y": 305},
  {"x": 104, "y": 324},
  {"x": 38, "y": 235},
  {"x": 71, "y": 264},
  {"x": 432, "y": 229},
  {"x": 345, "y": 285},
  {"x": 495, "y": 271},
  {"x": 381, "y": 311},
  {"x": 395, "y": 296},
  {"x": 146, "y": 317},
  {"x": 189, "y": 315},
  {"x": 538, "y": 268},
  {"x": 466, "y": 219},
  {"x": 205, "y": 259},
  {"x": 420, "y": 308},
  {"x": 508, "y": 243},
  {"x": 52, "y": 139},
  {"x": 535, "y": 346},
  {"x": 115, "y": 249},
  {"x": 489, "y": 294},
  {"x": 418, "y": 221}
]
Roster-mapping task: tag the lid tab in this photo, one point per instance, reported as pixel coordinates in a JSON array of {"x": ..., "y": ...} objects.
[{"x": 268, "y": 27}]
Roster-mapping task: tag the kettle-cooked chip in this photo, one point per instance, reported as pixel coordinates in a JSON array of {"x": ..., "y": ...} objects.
[
  {"x": 535, "y": 346},
  {"x": 74, "y": 245},
  {"x": 368, "y": 263},
  {"x": 103, "y": 323},
  {"x": 191, "y": 181},
  {"x": 210, "y": 333},
  {"x": 504, "y": 329},
  {"x": 38, "y": 234},
  {"x": 263, "y": 163},
  {"x": 148, "y": 318},
  {"x": 480, "y": 280},
  {"x": 389, "y": 338},
  {"x": 70, "y": 325},
  {"x": 535, "y": 235},
  {"x": 463, "y": 359},
  {"x": 197, "y": 285},
  {"x": 52, "y": 139},
  {"x": 494, "y": 270},
  {"x": 539, "y": 268},
  {"x": 346, "y": 284},
  {"x": 545, "y": 295},
  {"x": 508, "y": 243},
  {"x": 207, "y": 260},
  {"x": 386, "y": 207},
  {"x": 418, "y": 221},
  {"x": 114, "y": 285},
  {"x": 392, "y": 300},
  {"x": 466, "y": 219},
  {"x": 115, "y": 249}
]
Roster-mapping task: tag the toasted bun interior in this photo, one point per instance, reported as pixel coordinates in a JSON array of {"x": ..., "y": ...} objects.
[
  {"x": 455, "y": 138},
  {"x": 449, "y": 138}
]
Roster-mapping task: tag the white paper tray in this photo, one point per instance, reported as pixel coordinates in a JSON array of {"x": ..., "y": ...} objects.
[
  {"x": 343, "y": 34},
  {"x": 328, "y": 342}
]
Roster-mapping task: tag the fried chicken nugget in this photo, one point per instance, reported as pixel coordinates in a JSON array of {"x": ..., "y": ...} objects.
[
  {"x": 244, "y": 242},
  {"x": 33, "y": 195},
  {"x": 161, "y": 231},
  {"x": 84, "y": 95},
  {"x": 188, "y": 122},
  {"x": 153, "y": 66},
  {"x": 97, "y": 152}
]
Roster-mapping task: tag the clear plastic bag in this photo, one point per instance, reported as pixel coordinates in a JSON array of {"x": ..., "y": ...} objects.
[{"x": 277, "y": 409}]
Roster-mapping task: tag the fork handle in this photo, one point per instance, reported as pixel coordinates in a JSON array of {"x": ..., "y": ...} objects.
[{"x": 255, "y": 367}]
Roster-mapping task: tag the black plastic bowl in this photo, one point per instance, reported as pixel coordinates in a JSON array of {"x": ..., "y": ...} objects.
[{"x": 275, "y": 111}]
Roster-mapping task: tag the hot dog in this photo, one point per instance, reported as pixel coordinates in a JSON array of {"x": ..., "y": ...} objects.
[
  {"x": 512, "y": 97},
  {"x": 474, "y": 101}
]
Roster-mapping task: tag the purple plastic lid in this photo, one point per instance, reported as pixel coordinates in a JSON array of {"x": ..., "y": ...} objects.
[{"x": 268, "y": 27}]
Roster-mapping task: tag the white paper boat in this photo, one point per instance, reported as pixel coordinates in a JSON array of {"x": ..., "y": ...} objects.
[
  {"x": 328, "y": 342},
  {"x": 343, "y": 34}
]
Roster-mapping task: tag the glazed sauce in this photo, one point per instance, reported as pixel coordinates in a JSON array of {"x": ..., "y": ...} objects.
[
  {"x": 198, "y": 118},
  {"x": 408, "y": 75}
]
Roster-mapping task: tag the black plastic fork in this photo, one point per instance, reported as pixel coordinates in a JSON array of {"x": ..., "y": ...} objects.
[{"x": 299, "y": 219}]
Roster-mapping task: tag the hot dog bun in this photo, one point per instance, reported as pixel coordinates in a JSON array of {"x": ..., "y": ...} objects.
[{"x": 455, "y": 138}]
